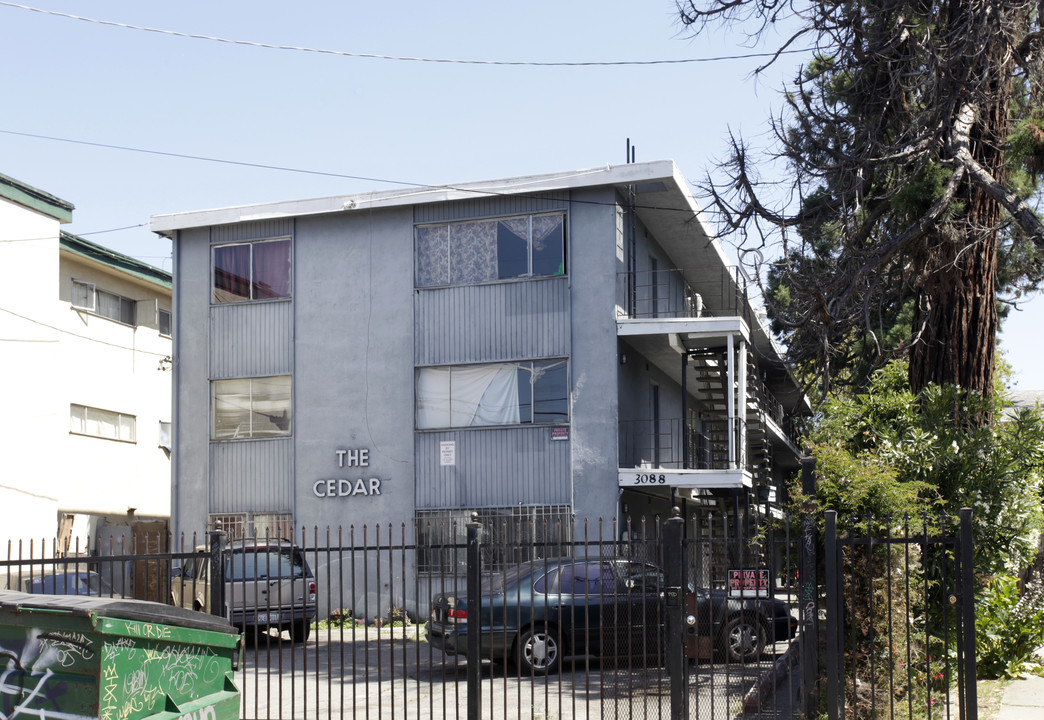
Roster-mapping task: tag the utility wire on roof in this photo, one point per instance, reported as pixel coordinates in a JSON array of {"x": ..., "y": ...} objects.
[
  {"x": 126, "y": 227},
  {"x": 420, "y": 186},
  {"x": 376, "y": 56}
]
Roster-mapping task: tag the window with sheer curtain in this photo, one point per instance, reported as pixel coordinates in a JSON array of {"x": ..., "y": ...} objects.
[
  {"x": 258, "y": 270},
  {"x": 492, "y": 394},
  {"x": 485, "y": 250},
  {"x": 247, "y": 408},
  {"x": 106, "y": 424}
]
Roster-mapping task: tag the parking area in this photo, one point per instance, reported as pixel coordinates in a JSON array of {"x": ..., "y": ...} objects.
[{"x": 394, "y": 673}]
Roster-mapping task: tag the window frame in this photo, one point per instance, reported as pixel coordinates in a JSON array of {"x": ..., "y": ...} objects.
[
  {"x": 250, "y": 411},
  {"x": 124, "y": 303},
  {"x": 251, "y": 281},
  {"x": 160, "y": 313},
  {"x": 527, "y": 406},
  {"x": 496, "y": 242},
  {"x": 119, "y": 424}
]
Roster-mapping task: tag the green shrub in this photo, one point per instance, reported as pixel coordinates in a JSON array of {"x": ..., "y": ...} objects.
[{"x": 1009, "y": 628}]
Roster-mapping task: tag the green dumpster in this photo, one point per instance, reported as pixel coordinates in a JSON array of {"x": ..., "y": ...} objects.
[{"x": 70, "y": 657}]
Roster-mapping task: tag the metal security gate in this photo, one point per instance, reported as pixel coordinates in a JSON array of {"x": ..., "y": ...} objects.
[
  {"x": 666, "y": 620},
  {"x": 899, "y": 638}
]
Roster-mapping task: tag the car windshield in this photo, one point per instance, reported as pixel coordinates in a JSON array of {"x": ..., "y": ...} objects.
[{"x": 264, "y": 563}]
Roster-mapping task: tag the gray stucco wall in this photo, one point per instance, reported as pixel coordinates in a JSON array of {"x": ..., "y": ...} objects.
[
  {"x": 354, "y": 364},
  {"x": 593, "y": 268},
  {"x": 190, "y": 456}
]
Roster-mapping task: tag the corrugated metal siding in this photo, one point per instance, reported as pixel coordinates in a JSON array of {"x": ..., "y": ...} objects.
[
  {"x": 251, "y": 339},
  {"x": 493, "y": 206},
  {"x": 255, "y": 475},
  {"x": 241, "y": 232},
  {"x": 500, "y": 321},
  {"x": 495, "y": 468}
]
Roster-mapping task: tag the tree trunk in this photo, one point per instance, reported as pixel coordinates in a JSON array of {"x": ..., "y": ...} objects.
[{"x": 956, "y": 307}]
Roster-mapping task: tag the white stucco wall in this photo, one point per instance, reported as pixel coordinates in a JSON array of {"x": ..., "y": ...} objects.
[{"x": 52, "y": 355}]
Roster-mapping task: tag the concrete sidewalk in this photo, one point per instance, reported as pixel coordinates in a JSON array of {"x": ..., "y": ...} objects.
[{"x": 1023, "y": 700}]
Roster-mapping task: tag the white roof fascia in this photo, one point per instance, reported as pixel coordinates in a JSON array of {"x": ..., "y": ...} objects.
[{"x": 608, "y": 175}]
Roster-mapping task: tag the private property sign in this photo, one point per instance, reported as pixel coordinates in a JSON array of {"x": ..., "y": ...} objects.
[{"x": 749, "y": 583}]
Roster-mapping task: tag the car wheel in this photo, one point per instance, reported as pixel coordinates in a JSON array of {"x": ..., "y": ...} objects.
[
  {"x": 539, "y": 651},
  {"x": 743, "y": 639},
  {"x": 300, "y": 630}
]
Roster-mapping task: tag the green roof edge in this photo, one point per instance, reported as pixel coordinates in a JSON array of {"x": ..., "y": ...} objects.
[
  {"x": 36, "y": 199},
  {"x": 80, "y": 246}
]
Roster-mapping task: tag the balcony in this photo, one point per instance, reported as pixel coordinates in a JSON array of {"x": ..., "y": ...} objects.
[
  {"x": 667, "y": 454},
  {"x": 667, "y": 294}
]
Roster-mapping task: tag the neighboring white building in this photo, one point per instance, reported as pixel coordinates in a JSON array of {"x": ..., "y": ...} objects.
[{"x": 85, "y": 380}]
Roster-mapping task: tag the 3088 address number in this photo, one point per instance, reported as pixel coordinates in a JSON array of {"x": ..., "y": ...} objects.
[{"x": 650, "y": 479}]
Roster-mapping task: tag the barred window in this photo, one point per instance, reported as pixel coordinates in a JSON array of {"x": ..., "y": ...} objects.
[
  {"x": 240, "y": 526},
  {"x": 510, "y": 535}
]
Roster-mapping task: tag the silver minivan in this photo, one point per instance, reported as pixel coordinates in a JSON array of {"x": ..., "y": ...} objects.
[{"x": 268, "y": 585}]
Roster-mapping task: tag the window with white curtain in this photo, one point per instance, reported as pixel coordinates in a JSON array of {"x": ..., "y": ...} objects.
[
  {"x": 492, "y": 394},
  {"x": 99, "y": 423},
  {"x": 251, "y": 407}
]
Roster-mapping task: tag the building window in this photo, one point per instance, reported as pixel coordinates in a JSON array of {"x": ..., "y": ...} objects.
[
  {"x": 494, "y": 394},
  {"x": 251, "y": 407},
  {"x": 164, "y": 321},
  {"x": 510, "y": 535},
  {"x": 106, "y": 424},
  {"x": 485, "y": 250},
  {"x": 252, "y": 271},
  {"x": 239, "y": 526},
  {"x": 86, "y": 296}
]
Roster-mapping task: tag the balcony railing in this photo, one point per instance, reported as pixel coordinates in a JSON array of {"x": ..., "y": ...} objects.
[
  {"x": 666, "y": 294},
  {"x": 665, "y": 443}
]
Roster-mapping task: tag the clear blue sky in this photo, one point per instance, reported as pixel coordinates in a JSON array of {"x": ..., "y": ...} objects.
[{"x": 373, "y": 119}]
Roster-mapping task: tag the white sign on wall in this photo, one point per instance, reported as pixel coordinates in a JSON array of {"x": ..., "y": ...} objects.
[{"x": 447, "y": 453}]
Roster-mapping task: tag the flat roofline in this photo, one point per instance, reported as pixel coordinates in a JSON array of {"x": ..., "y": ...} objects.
[{"x": 632, "y": 173}]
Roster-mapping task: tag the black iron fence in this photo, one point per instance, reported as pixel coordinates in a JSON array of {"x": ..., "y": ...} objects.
[{"x": 674, "y": 619}]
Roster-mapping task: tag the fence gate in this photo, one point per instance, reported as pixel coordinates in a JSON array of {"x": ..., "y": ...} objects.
[{"x": 900, "y": 620}]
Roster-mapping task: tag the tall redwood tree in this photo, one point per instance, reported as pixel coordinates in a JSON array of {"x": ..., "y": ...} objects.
[{"x": 912, "y": 141}]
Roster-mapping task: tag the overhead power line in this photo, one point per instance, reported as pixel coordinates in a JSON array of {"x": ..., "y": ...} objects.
[
  {"x": 403, "y": 58},
  {"x": 201, "y": 158},
  {"x": 77, "y": 335},
  {"x": 184, "y": 156}
]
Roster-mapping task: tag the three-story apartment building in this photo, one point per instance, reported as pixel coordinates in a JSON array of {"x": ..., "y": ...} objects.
[{"x": 565, "y": 347}]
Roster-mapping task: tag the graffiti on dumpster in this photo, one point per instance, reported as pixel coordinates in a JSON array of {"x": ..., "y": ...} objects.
[
  {"x": 123, "y": 646},
  {"x": 149, "y": 631},
  {"x": 70, "y": 648},
  {"x": 163, "y": 670},
  {"x": 28, "y": 685}
]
